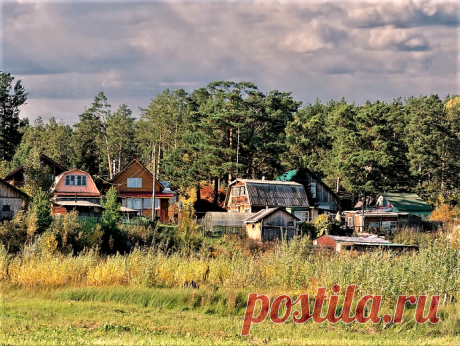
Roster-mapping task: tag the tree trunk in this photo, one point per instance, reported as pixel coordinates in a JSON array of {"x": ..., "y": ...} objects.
[{"x": 216, "y": 190}]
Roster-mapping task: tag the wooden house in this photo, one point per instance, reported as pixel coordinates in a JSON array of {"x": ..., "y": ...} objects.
[
  {"x": 251, "y": 196},
  {"x": 387, "y": 221},
  {"x": 18, "y": 176},
  {"x": 369, "y": 243},
  {"x": 403, "y": 202},
  {"x": 76, "y": 190},
  {"x": 271, "y": 224},
  {"x": 11, "y": 200},
  {"x": 135, "y": 188},
  {"x": 321, "y": 197}
]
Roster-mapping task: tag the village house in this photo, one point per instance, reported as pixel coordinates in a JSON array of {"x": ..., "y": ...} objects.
[
  {"x": 341, "y": 243},
  {"x": 11, "y": 200},
  {"x": 386, "y": 221},
  {"x": 321, "y": 197},
  {"x": 135, "y": 188},
  {"x": 403, "y": 202},
  {"x": 271, "y": 224},
  {"x": 76, "y": 190},
  {"x": 251, "y": 196},
  {"x": 18, "y": 176}
]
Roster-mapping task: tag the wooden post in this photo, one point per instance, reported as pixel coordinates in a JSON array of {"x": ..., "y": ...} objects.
[{"x": 154, "y": 180}]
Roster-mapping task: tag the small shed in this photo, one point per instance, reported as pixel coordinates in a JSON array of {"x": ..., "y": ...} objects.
[
  {"x": 271, "y": 224},
  {"x": 11, "y": 200},
  {"x": 340, "y": 243},
  {"x": 385, "y": 221},
  {"x": 223, "y": 222}
]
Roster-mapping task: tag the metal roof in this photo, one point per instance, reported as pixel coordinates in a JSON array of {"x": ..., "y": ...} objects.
[
  {"x": 264, "y": 213},
  {"x": 78, "y": 204},
  {"x": 127, "y": 210},
  {"x": 360, "y": 240},
  {"x": 407, "y": 202}
]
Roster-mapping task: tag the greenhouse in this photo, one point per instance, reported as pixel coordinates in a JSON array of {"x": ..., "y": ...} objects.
[{"x": 222, "y": 222}]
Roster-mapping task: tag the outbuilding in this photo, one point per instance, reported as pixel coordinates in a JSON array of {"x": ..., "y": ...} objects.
[
  {"x": 340, "y": 243},
  {"x": 271, "y": 224},
  {"x": 11, "y": 200}
]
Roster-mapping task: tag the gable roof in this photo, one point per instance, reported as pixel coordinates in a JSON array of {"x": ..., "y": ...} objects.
[
  {"x": 288, "y": 176},
  {"x": 407, "y": 202},
  {"x": 133, "y": 162},
  {"x": 42, "y": 157},
  {"x": 266, "y": 212},
  {"x": 14, "y": 188},
  {"x": 275, "y": 193}
]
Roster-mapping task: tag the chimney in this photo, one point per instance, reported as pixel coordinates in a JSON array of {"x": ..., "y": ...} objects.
[{"x": 263, "y": 177}]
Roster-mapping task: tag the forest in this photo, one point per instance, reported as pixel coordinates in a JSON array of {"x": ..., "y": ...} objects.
[{"x": 232, "y": 129}]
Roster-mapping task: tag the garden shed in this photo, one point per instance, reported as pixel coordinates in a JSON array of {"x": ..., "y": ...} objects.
[{"x": 223, "y": 222}]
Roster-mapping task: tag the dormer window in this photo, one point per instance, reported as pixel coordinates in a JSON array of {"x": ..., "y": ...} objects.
[{"x": 79, "y": 180}]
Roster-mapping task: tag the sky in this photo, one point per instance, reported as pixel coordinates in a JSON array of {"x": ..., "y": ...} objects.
[{"x": 65, "y": 52}]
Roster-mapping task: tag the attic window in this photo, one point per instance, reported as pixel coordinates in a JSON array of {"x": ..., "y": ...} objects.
[
  {"x": 134, "y": 182},
  {"x": 72, "y": 180}
]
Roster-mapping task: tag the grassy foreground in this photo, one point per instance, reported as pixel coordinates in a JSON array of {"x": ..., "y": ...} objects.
[{"x": 123, "y": 315}]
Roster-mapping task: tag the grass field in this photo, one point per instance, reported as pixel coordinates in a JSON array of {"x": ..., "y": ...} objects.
[{"x": 123, "y": 315}]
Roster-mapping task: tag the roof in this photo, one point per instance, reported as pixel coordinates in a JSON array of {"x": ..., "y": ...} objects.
[
  {"x": 128, "y": 210},
  {"x": 59, "y": 177},
  {"x": 145, "y": 194},
  {"x": 407, "y": 202},
  {"x": 14, "y": 188},
  {"x": 78, "y": 204},
  {"x": 43, "y": 157},
  {"x": 135, "y": 161},
  {"x": 266, "y": 212},
  {"x": 359, "y": 240},
  {"x": 288, "y": 176},
  {"x": 374, "y": 213},
  {"x": 275, "y": 193}
]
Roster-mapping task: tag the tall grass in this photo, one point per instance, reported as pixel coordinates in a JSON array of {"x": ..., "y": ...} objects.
[{"x": 291, "y": 267}]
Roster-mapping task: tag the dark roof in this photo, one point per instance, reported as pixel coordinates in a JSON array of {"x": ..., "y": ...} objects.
[
  {"x": 275, "y": 193},
  {"x": 266, "y": 212},
  {"x": 407, "y": 202},
  {"x": 14, "y": 188},
  {"x": 43, "y": 157}
]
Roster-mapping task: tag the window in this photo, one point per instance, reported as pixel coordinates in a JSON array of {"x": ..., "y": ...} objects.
[
  {"x": 72, "y": 180},
  {"x": 135, "y": 182},
  {"x": 389, "y": 225},
  {"x": 313, "y": 188},
  {"x": 134, "y": 203},
  {"x": 6, "y": 207},
  {"x": 238, "y": 191},
  {"x": 148, "y": 203},
  {"x": 350, "y": 221},
  {"x": 374, "y": 225},
  {"x": 302, "y": 215}
]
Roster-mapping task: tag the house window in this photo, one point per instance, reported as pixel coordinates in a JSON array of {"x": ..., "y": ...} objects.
[
  {"x": 375, "y": 225},
  {"x": 134, "y": 203},
  {"x": 135, "y": 182},
  {"x": 389, "y": 225},
  {"x": 6, "y": 207},
  {"x": 302, "y": 215},
  {"x": 72, "y": 180},
  {"x": 148, "y": 203},
  {"x": 313, "y": 189},
  {"x": 350, "y": 221}
]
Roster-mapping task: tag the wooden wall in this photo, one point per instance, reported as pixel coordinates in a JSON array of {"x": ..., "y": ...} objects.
[
  {"x": 136, "y": 171},
  {"x": 9, "y": 196}
]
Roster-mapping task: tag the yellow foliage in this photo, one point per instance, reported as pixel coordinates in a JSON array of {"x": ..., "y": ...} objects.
[{"x": 453, "y": 102}]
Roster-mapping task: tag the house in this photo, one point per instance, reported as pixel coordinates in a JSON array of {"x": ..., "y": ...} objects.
[
  {"x": 340, "y": 243},
  {"x": 18, "y": 178},
  {"x": 321, "y": 197},
  {"x": 387, "y": 221},
  {"x": 271, "y": 224},
  {"x": 11, "y": 200},
  {"x": 135, "y": 188},
  {"x": 403, "y": 202},
  {"x": 251, "y": 196},
  {"x": 75, "y": 190}
]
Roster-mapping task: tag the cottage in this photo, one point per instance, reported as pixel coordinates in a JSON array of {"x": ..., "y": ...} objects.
[
  {"x": 387, "y": 221},
  {"x": 340, "y": 243},
  {"x": 251, "y": 196},
  {"x": 135, "y": 188},
  {"x": 322, "y": 197},
  {"x": 11, "y": 200},
  {"x": 18, "y": 177},
  {"x": 76, "y": 190},
  {"x": 271, "y": 224},
  {"x": 403, "y": 202}
]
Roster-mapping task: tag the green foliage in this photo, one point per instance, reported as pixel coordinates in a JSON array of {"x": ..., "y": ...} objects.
[
  {"x": 111, "y": 214},
  {"x": 324, "y": 224},
  {"x": 39, "y": 177},
  {"x": 40, "y": 212}
]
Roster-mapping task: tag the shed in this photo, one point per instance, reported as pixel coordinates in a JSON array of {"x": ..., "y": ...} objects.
[
  {"x": 340, "y": 243},
  {"x": 404, "y": 202},
  {"x": 386, "y": 221},
  {"x": 11, "y": 200},
  {"x": 271, "y": 224},
  {"x": 223, "y": 222}
]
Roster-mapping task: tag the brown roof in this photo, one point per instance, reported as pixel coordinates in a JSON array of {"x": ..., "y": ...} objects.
[
  {"x": 133, "y": 161},
  {"x": 14, "y": 188},
  {"x": 43, "y": 157}
]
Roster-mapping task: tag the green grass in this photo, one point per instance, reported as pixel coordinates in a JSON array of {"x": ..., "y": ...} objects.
[{"x": 140, "y": 316}]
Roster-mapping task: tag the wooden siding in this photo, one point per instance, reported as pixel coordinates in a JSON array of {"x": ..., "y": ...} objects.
[
  {"x": 269, "y": 228},
  {"x": 90, "y": 187},
  {"x": 10, "y": 196},
  {"x": 136, "y": 170}
]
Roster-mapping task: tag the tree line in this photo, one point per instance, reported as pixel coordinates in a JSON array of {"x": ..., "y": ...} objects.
[{"x": 227, "y": 130}]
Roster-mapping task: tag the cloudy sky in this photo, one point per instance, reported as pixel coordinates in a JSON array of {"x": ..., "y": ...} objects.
[{"x": 66, "y": 52}]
